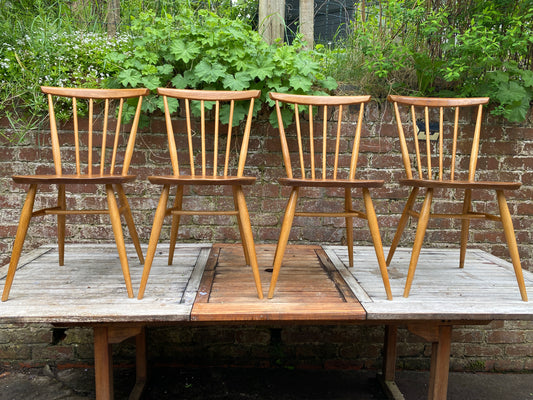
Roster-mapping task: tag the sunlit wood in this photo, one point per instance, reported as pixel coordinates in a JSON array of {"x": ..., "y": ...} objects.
[
  {"x": 324, "y": 174},
  {"x": 444, "y": 174},
  {"x": 100, "y": 173},
  {"x": 220, "y": 142}
]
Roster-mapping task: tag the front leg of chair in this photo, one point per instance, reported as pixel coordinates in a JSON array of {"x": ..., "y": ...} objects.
[
  {"x": 129, "y": 221},
  {"x": 178, "y": 202},
  {"x": 511, "y": 242},
  {"x": 159, "y": 217},
  {"x": 239, "y": 221},
  {"x": 114, "y": 215},
  {"x": 349, "y": 224},
  {"x": 376, "y": 239},
  {"x": 24, "y": 222},
  {"x": 283, "y": 239},
  {"x": 248, "y": 237},
  {"x": 61, "y": 222},
  {"x": 423, "y": 220},
  {"x": 402, "y": 224},
  {"x": 465, "y": 226}
]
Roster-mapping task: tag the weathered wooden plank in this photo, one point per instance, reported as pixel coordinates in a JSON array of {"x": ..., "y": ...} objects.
[
  {"x": 484, "y": 289},
  {"x": 323, "y": 312},
  {"x": 309, "y": 288},
  {"x": 90, "y": 287}
]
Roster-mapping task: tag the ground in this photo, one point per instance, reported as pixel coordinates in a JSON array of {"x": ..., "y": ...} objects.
[{"x": 257, "y": 384}]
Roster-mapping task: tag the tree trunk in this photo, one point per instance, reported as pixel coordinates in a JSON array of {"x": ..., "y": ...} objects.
[
  {"x": 113, "y": 17},
  {"x": 272, "y": 20}
]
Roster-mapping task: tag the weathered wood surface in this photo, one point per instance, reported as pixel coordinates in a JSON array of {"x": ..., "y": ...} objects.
[
  {"x": 310, "y": 288},
  {"x": 314, "y": 285},
  {"x": 90, "y": 287},
  {"x": 485, "y": 289}
]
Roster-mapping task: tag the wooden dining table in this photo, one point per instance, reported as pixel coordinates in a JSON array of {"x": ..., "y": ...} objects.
[{"x": 210, "y": 284}]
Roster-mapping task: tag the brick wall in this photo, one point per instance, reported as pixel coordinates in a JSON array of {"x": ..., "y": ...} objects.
[{"x": 507, "y": 149}]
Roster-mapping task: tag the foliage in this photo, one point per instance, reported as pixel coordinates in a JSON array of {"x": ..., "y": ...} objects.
[
  {"x": 201, "y": 50},
  {"x": 42, "y": 44},
  {"x": 446, "y": 48}
]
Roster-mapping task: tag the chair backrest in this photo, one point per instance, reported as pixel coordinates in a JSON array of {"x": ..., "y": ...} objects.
[
  {"x": 323, "y": 135},
  {"x": 94, "y": 154},
  {"x": 439, "y": 137},
  {"x": 214, "y": 152}
]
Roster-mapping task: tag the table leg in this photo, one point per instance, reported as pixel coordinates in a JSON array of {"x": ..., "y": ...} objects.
[
  {"x": 389, "y": 364},
  {"x": 103, "y": 363},
  {"x": 104, "y": 338},
  {"x": 440, "y": 364}
]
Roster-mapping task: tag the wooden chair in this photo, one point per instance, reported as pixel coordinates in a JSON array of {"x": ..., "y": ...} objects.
[
  {"x": 211, "y": 159},
  {"x": 433, "y": 150},
  {"x": 316, "y": 161},
  {"x": 89, "y": 159}
]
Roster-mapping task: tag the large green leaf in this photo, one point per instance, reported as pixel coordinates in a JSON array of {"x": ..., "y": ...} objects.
[
  {"x": 184, "y": 51},
  {"x": 239, "y": 81},
  {"x": 130, "y": 77},
  {"x": 209, "y": 72}
]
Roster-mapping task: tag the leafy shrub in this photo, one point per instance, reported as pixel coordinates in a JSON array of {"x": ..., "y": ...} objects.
[
  {"x": 50, "y": 52},
  {"x": 201, "y": 50},
  {"x": 474, "y": 48}
]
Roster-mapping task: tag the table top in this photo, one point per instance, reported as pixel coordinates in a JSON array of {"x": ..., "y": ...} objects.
[{"x": 211, "y": 283}]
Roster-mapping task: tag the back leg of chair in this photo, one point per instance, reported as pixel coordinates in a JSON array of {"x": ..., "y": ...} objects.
[
  {"x": 283, "y": 239},
  {"x": 243, "y": 237},
  {"x": 511, "y": 242},
  {"x": 114, "y": 215},
  {"x": 376, "y": 239},
  {"x": 129, "y": 221},
  {"x": 402, "y": 224},
  {"x": 349, "y": 224},
  {"x": 247, "y": 237},
  {"x": 159, "y": 217},
  {"x": 61, "y": 222},
  {"x": 423, "y": 220},
  {"x": 178, "y": 202},
  {"x": 24, "y": 222},
  {"x": 465, "y": 226}
]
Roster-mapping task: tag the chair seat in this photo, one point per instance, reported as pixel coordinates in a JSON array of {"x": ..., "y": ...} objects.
[
  {"x": 346, "y": 183},
  {"x": 201, "y": 180},
  {"x": 74, "y": 179},
  {"x": 447, "y": 184}
]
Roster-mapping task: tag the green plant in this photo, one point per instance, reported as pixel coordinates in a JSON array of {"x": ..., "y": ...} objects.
[
  {"x": 492, "y": 56},
  {"x": 201, "y": 50},
  {"x": 460, "y": 48}
]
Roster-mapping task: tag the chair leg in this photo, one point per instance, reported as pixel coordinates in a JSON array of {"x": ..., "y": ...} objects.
[
  {"x": 376, "y": 239},
  {"x": 283, "y": 239},
  {"x": 247, "y": 237},
  {"x": 129, "y": 221},
  {"x": 24, "y": 222},
  {"x": 349, "y": 224},
  {"x": 61, "y": 221},
  {"x": 178, "y": 202},
  {"x": 239, "y": 221},
  {"x": 402, "y": 224},
  {"x": 114, "y": 215},
  {"x": 419, "y": 239},
  {"x": 465, "y": 226},
  {"x": 159, "y": 217},
  {"x": 511, "y": 242}
]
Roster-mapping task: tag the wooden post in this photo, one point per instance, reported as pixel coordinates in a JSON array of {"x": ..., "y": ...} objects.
[
  {"x": 103, "y": 364},
  {"x": 272, "y": 20},
  {"x": 113, "y": 17},
  {"x": 307, "y": 21}
]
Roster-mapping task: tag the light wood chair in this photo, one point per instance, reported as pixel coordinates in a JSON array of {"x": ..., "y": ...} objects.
[
  {"x": 315, "y": 161},
  {"x": 90, "y": 158},
  {"x": 434, "y": 148},
  {"x": 211, "y": 159}
]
